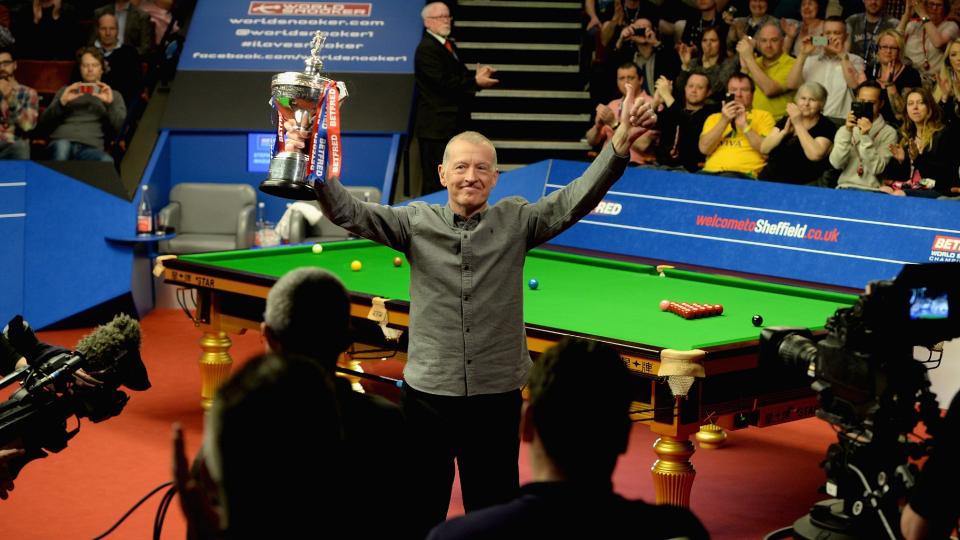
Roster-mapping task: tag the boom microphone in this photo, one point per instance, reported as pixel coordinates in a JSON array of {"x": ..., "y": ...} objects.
[{"x": 112, "y": 353}]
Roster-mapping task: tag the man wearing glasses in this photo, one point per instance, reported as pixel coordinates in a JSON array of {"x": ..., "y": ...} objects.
[
  {"x": 18, "y": 111},
  {"x": 445, "y": 91}
]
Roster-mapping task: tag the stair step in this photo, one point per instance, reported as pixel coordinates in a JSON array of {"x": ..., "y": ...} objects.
[
  {"x": 519, "y": 25},
  {"x": 534, "y": 68},
  {"x": 570, "y": 55},
  {"x": 521, "y": 4},
  {"x": 526, "y": 31},
  {"x": 478, "y": 10},
  {"x": 534, "y": 100},
  {"x": 463, "y": 45},
  {"x": 544, "y": 94},
  {"x": 507, "y": 144}
]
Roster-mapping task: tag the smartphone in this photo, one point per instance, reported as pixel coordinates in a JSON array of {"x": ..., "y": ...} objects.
[
  {"x": 88, "y": 88},
  {"x": 862, "y": 109},
  {"x": 728, "y": 98},
  {"x": 819, "y": 41}
]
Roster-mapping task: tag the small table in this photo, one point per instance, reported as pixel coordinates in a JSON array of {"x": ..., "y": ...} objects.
[{"x": 144, "y": 250}]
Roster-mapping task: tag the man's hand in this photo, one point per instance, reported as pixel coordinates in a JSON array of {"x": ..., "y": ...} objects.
[
  {"x": 864, "y": 124},
  {"x": 70, "y": 93},
  {"x": 686, "y": 54},
  {"x": 105, "y": 94},
  {"x": 663, "y": 86},
  {"x": 605, "y": 116},
  {"x": 745, "y": 47},
  {"x": 920, "y": 8},
  {"x": 636, "y": 118},
  {"x": 730, "y": 110},
  {"x": 6, "y": 477},
  {"x": 195, "y": 503},
  {"x": 807, "y": 47},
  {"x": 484, "y": 76},
  {"x": 834, "y": 46}
]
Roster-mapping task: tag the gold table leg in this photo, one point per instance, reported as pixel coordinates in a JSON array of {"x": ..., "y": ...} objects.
[
  {"x": 215, "y": 363},
  {"x": 673, "y": 473}
]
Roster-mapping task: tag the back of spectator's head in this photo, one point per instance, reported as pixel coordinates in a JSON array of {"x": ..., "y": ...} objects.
[
  {"x": 274, "y": 429},
  {"x": 308, "y": 313},
  {"x": 580, "y": 394}
]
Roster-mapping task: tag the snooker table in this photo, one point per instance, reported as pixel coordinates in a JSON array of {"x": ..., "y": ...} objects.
[{"x": 613, "y": 301}]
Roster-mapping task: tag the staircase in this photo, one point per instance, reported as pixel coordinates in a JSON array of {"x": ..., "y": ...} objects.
[{"x": 540, "y": 109}]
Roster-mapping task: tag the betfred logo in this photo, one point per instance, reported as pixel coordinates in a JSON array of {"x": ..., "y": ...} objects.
[
  {"x": 946, "y": 243},
  {"x": 329, "y": 9}
]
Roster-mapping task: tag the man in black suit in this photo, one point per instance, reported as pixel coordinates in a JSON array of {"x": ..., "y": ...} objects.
[{"x": 445, "y": 89}]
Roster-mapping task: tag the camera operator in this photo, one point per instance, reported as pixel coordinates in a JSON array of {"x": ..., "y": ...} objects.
[{"x": 931, "y": 513}]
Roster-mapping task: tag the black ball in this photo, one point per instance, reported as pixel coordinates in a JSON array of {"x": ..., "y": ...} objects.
[{"x": 757, "y": 320}]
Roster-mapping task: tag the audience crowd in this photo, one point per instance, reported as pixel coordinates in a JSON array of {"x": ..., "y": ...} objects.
[
  {"x": 117, "y": 50},
  {"x": 853, "y": 95}
]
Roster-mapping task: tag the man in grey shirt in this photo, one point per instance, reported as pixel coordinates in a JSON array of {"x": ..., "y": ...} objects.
[{"x": 467, "y": 357}]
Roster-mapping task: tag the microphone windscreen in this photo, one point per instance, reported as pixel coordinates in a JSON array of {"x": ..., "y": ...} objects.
[{"x": 113, "y": 349}]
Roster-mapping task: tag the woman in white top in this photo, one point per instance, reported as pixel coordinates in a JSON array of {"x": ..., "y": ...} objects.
[{"x": 810, "y": 24}]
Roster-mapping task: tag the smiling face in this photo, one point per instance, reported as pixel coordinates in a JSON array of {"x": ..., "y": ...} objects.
[
  {"x": 469, "y": 172},
  {"x": 809, "y": 105},
  {"x": 888, "y": 50},
  {"x": 953, "y": 55},
  {"x": 809, "y": 9}
]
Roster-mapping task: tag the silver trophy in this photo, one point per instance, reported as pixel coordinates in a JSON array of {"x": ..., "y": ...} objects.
[{"x": 297, "y": 96}]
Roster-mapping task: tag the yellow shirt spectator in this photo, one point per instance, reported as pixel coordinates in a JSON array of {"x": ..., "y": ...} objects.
[
  {"x": 778, "y": 71},
  {"x": 734, "y": 154}
]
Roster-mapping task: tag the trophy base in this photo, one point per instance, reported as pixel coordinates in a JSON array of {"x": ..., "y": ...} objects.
[{"x": 287, "y": 189}]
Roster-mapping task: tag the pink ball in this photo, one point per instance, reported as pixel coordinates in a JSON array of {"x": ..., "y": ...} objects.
[{"x": 664, "y": 305}]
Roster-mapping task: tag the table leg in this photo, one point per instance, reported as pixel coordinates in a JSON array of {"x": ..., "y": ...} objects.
[
  {"x": 215, "y": 363},
  {"x": 673, "y": 473}
]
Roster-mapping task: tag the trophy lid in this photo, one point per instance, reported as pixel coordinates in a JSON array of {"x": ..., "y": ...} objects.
[{"x": 296, "y": 78}]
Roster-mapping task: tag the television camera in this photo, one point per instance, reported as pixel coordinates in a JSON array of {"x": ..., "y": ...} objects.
[
  {"x": 35, "y": 416},
  {"x": 874, "y": 393}
]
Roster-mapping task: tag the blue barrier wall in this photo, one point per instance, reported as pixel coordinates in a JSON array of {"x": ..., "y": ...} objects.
[{"x": 57, "y": 261}]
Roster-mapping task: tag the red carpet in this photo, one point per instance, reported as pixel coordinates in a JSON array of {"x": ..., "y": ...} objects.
[{"x": 762, "y": 480}]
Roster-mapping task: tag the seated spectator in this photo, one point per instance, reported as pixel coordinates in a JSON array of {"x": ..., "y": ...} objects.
[
  {"x": 926, "y": 37},
  {"x": 605, "y": 121},
  {"x": 680, "y": 123},
  {"x": 798, "y": 146},
  {"x": 894, "y": 75},
  {"x": 861, "y": 147},
  {"x": 731, "y": 138},
  {"x": 741, "y": 27},
  {"x": 864, "y": 30},
  {"x": 769, "y": 71},
  {"x": 709, "y": 17},
  {"x": 577, "y": 424},
  {"x": 836, "y": 70},
  {"x": 161, "y": 15},
  {"x": 713, "y": 62},
  {"x": 639, "y": 43},
  {"x": 810, "y": 25},
  {"x": 46, "y": 30},
  {"x": 18, "y": 110},
  {"x": 926, "y": 160},
  {"x": 272, "y": 406},
  {"x": 83, "y": 115},
  {"x": 947, "y": 91},
  {"x": 123, "y": 72},
  {"x": 134, "y": 25}
]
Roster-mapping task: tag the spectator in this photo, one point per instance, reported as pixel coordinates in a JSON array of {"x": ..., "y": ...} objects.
[
  {"x": 864, "y": 31},
  {"x": 731, "y": 138},
  {"x": 925, "y": 39},
  {"x": 930, "y": 514},
  {"x": 811, "y": 25},
  {"x": 834, "y": 69},
  {"x": 83, "y": 115},
  {"x": 445, "y": 91},
  {"x": 577, "y": 424},
  {"x": 741, "y": 27},
  {"x": 798, "y": 146},
  {"x": 894, "y": 75},
  {"x": 709, "y": 17},
  {"x": 640, "y": 43},
  {"x": 161, "y": 15},
  {"x": 123, "y": 72},
  {"x": 947, "y": 91},
  {"x": 272, "y": 406},
  {"x": 625, "y": 13},
  {"x": 605, "y": 120},
  {"x": 926, "y": 160},
  {"x": 861, "y": 147},
  {"x": 713, "y": 62},
  {"x": 46, "y": 30},
  {"x": 134, "y": 25},
  {"x": 769, "y": 71},
  {"x": 19, "y": 107},
  {"x": 680, "y": 123}
]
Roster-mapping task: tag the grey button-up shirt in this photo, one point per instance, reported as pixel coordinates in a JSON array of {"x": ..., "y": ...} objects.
[{"x": 467, "y": 335}]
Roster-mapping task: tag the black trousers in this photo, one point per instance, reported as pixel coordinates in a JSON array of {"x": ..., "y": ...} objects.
[
  {"x": 481, "y": 432},
  {"x": 431, "y": 155}
]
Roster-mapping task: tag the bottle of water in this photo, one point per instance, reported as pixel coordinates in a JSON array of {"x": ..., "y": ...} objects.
[
  {"x": 144, "y": 212},
  {"x": 258, "y": 234}
]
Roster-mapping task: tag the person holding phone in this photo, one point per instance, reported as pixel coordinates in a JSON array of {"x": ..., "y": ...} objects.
[
  {"x": 84, "y": 114},
  {"x": 861, "y": 147},
  {"x": 834, "y": 68},
  {"x": 731, "y": 138}
]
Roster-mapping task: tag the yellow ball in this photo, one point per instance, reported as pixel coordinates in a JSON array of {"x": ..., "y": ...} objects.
[
  {"x": 356, "y": 266},
  {"x": 317, "y": 248}
]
